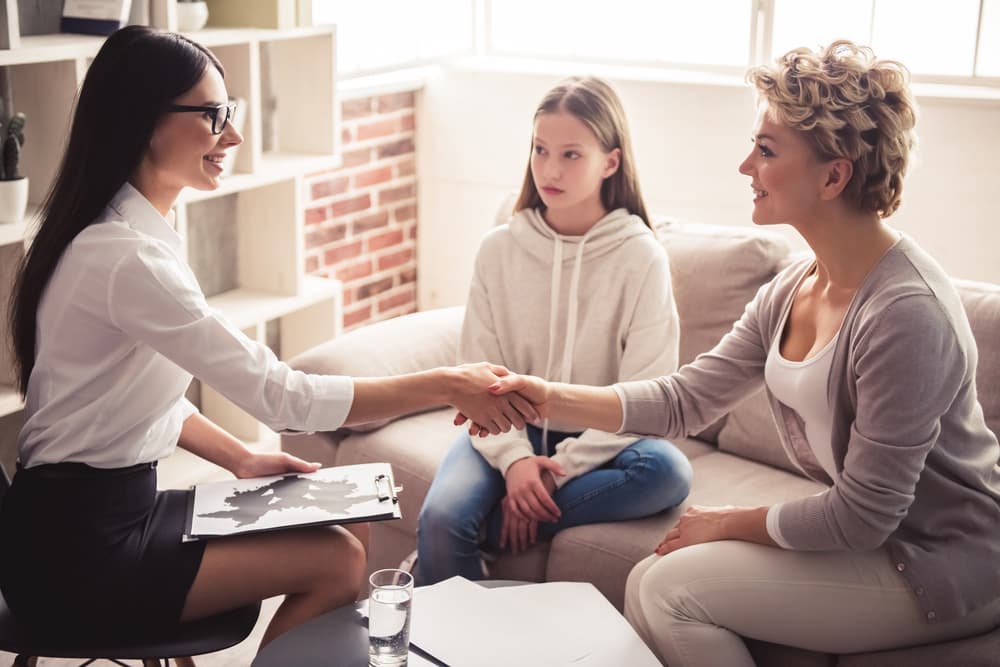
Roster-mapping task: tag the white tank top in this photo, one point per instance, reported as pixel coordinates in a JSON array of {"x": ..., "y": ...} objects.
[{"x": 801, "y": 385}]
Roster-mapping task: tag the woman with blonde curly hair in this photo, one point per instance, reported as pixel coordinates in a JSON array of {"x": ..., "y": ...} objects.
[{"x": 869, "y": 365}]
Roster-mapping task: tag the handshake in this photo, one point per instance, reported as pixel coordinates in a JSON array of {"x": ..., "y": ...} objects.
[{"x": 491, "y": 399}]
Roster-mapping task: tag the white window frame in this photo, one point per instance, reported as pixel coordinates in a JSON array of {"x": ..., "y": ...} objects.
[{"x": 760, "y": 44}]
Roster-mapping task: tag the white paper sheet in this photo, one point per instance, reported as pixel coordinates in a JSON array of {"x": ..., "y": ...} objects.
[{"x": 558, "y": 623}]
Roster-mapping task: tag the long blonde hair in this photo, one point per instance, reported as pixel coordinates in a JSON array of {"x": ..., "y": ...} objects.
[{"x": 595, "y": 103}]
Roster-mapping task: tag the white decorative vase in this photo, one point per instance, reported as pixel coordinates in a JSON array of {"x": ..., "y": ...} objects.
[
  {"x": 13, "y": 200},
  {"x": 191, "y": 16}
]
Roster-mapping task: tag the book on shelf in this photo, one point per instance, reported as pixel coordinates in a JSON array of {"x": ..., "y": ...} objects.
[
  {"x": 95, "y": 17},
  {"x": 336, "y": 495}
]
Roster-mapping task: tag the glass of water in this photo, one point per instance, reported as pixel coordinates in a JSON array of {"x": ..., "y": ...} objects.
[{"x": 389, "y": 602}]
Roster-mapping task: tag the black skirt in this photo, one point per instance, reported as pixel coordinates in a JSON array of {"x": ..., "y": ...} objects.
[{"x": 90, "y": 550}]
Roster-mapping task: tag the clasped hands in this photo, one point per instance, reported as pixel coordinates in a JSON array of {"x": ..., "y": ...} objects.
[{"x": 492, "y": 399}]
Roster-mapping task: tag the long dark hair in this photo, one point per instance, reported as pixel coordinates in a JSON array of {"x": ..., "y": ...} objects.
[
  {"x": 595, "y": 103},
  {"x": 135, "y": 75}
]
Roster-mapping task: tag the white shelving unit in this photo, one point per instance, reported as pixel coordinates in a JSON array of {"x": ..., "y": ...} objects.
[{"x": 245, "y": 241}]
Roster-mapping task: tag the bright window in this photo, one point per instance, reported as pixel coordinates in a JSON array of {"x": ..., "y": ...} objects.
[
  {"x": 380, "y": 34},
  {"x": 707, "y": 32},
  {"x": 932, "y": 37}
]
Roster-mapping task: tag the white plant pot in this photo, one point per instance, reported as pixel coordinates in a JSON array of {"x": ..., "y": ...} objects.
[
  {"x": 191, "y": 16},
  {"x": 13, "y": 200}
]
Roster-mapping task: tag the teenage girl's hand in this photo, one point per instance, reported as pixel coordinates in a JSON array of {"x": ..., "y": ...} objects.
[
  {"x": 530, "y": 496},
  {"x": 276, "y": 463},
  {"x": 492, "y": 414},
  {"x": 516, "y": 531}
]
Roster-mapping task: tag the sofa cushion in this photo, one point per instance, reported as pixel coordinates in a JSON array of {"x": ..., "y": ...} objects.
[
  {"x": 978, "y": 651},
  {"x": 749, "y": 431},
  {"x": 716, "y": 271},
  {"x": 982, "y": 305},
  {"x": 407, "y": 344}
]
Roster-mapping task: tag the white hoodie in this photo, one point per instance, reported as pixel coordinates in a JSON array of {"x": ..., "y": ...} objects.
[{"x": 593, "y": 309}]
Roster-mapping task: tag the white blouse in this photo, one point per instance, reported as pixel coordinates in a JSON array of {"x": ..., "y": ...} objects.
[{"x": 122, "y": 327}]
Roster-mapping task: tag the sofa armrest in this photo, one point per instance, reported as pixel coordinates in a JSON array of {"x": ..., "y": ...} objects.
[{"x": 405, "y": 344}]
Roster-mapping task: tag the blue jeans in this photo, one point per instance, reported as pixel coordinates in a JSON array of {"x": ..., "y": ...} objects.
[{"x": 462, "y": 509}]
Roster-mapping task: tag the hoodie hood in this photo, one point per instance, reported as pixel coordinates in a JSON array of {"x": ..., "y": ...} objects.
[{"x": 533, "y": 235}]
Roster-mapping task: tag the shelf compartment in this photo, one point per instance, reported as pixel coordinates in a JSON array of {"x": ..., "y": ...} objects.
[
  {"x": 246, "y": 240},
  {"x": 246, "y": 307},
  {"x": 49, "y": 112},
  {"x": 305, "y": 113}
]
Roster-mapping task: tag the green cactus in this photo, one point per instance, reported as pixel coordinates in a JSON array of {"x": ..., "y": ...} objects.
[{"x": 12, "y": 145}]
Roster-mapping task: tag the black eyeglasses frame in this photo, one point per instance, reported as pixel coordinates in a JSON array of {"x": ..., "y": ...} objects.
[{"x": 215, "y": 110}]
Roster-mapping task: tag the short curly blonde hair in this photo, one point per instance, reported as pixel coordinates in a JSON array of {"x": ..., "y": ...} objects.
[{"x": 847, "y": 104}]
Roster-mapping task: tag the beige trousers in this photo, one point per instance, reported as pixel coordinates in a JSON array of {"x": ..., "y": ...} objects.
[{"x": 693, "y": 605}]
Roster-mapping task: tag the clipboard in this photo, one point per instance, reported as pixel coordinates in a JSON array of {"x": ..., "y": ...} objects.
[{"x": 329, "y": 496}]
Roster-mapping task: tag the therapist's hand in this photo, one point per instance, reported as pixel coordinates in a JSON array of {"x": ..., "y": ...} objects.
[
  {"x": 273, "y": 463},
  {"x": 491, "y": 413},
  {"x": 531, "y": 390}
]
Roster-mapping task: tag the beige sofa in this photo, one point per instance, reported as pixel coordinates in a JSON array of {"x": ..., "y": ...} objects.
[{"x": 716, "y": 271}]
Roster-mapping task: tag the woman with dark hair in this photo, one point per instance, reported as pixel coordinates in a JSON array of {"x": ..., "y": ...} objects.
[{"x": 109, "y": 325}]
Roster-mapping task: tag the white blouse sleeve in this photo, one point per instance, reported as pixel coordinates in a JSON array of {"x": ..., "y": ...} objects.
[{"x": 154, "y": 298}]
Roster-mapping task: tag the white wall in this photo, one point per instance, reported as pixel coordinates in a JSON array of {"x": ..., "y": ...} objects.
[{"x": 475, "y": 129}]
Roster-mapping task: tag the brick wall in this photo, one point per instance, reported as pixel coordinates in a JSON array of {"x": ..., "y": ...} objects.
[{"x": 361, "y": 219}]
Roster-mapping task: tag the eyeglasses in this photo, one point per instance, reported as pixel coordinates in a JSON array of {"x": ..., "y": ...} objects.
[{"x": 221, "y": 114}]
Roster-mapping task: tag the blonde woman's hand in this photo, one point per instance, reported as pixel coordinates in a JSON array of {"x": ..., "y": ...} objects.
[
  {"x": 710, "y": 524},
  {"x": 521, "y": 391},
  {"x": 532, "y": 388},
  {"x": 490, "y": 413}
]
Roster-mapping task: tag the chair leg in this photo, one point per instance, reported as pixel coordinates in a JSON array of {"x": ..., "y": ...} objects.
[
  {"x": 25, "y": 661},
  {"x": 184, "y": 661}
]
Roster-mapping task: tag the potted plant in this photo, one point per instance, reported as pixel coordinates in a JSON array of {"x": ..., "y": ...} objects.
[
  {"x": 191, "y": 15},
  {"x": 13, "y": 185}
]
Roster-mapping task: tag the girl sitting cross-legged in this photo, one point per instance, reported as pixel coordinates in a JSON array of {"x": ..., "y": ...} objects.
[{"x": 574, "y": 288}]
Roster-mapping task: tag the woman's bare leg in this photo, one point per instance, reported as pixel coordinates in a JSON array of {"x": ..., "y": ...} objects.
[
  {"x": 362, "y": 531},
  {"x": 317, "y": 569}
]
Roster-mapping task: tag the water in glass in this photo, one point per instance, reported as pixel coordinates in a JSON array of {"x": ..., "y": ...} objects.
[{"x": 389, "y": 624}]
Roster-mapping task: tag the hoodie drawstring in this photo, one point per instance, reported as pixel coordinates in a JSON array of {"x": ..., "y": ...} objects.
[
  {"x": 566, "y": 368},
  {"x": 556, "y": 287}
]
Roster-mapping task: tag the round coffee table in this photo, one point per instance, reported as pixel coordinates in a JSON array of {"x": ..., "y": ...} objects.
[{"x": 338, "y": 637}]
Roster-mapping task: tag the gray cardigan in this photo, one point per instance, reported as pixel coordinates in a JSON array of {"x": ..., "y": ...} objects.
[{"x": 917, "y": 467}]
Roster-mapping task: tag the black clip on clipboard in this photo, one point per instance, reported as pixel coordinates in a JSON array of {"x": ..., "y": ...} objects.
[{"x": 385, "y": 490}]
